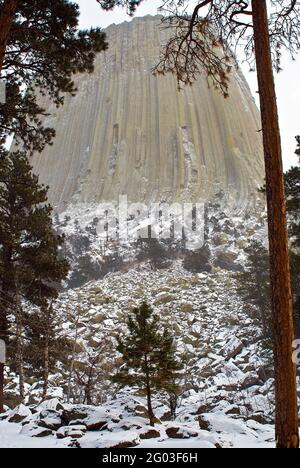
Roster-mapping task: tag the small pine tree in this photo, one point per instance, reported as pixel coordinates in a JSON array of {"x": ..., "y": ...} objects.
[
  {"x": 44, "y": 346},
  {"x": 148, "y": 356},
  {"x": 153, "y": 250},
  {"x": 198, "y": 261}
]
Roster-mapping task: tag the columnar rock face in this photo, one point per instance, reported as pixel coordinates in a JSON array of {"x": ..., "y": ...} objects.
[{"x": 129, "y": 132}]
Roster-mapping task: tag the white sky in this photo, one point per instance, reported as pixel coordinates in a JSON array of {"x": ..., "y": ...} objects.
[{"x": 287, "y": 82}]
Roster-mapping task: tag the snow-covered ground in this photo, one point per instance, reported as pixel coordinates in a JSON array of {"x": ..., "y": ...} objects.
[
  {"x": 112, "y": 426},
  {"x": 228, "y": 387}
]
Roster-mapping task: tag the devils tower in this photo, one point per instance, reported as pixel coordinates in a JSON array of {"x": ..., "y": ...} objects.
[{"x": 129, "y": 132}]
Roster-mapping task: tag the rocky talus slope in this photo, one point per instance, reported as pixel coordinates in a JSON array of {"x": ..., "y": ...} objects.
[{"x": 227, "y": 397}]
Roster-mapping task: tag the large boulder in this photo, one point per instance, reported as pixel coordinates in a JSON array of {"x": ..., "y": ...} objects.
[
  {"x": 19, "y": 414},
  {"x": 180, "y": 432},
  {"x": 261, "y": 418},
  {"x": 125, "y": 444},
  {"x": 73, "y": 414},
  {"x": 33, "y": 430},
  {"x": 204, "y": 424},
  {"x": 53, "y": 404},
  {"x": 98, "y": 420},
  {"x": 250, "y": 380},
  {"x": 41, "y": 432},
  {"x": 50, "y": 419},
  {"x": 74, "y": 432},
  {"x": 149, "y": 434},
  {"x": 233, "y": 410},
  {"x": 232, "y": 348}
]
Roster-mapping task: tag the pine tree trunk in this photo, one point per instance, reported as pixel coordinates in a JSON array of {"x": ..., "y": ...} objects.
[
  {"x": 73, "y": 357},
  {"x": 287, "y": 434},
  {"x": 149, "y": 395},
  {"x": 47, "y": 314},
  {"x": 19, "y": 357},
  {"x": 6, "y": 303},
  {"x": 3, "y": 328},
  {"x": 150, "y": 409},
  {"x": 1, "y": 388},
  {"x": 46, "y": 368},
  {"x": 6, "y": 19},
  {"x": 173, "y": 400}
]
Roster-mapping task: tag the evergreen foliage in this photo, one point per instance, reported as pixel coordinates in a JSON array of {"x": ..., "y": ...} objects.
[
  {"x": 155, "y": 251},
  {"x": 31, "y": 267},
  {"x": 148, "y": 355},
  {"x": 44, "y": 49},
  {"x": 253, "y": 286},
  {"x": 198, "y": 261},
  {"x": 292, "y": 182}
]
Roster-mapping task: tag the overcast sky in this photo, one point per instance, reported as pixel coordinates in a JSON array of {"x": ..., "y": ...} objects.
[{"x": 287, "y": 82}]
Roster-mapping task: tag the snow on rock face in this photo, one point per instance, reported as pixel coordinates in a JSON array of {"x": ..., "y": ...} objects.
[{"x": 158, "y": 145}]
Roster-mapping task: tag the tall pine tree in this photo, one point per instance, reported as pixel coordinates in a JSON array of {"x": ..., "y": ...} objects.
[
  {"x": 292, "y": 183},
  {"x": 253, "y": 286},
  {"x": 30, "y": 263},
  {"x": 148, "y": 355}
]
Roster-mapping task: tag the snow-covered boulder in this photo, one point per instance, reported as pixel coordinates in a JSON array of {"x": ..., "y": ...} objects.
[
  {"x": 50, "y": 419},
  {"x": 20, "y": 413},
  {"x": 180, "y": 432},
  {"x": 148, "y": 433},
  {"x": 74, "y": 432},
  {"x": 52, "y": 404},
  {"x": 98, "y": 419},
  {"x": 33, "y": 430},
  {"x": 232, "y": 348},
  {"x": 74, "y": 413},
  {"x": 250, "y": 380},
  {"x": 204, "y": 423}
]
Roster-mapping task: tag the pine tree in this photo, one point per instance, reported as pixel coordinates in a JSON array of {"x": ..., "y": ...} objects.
[
  {"x": 153, "y": 250},
  {"x": 292, "y": 183},
  {"x": 148, "y": 355},
  {"x": 41, "y": 47},
  {"x": 253, "y": 286},
  {"x": 30, "y": 263},
  {"x": 198, "y": 261},
  {"x": 44, "y": 347}
]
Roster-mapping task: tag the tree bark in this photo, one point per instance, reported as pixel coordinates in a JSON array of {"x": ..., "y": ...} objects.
[
  {"x": 3, "y": 328},
  {"x": 6, "y": 20},
  {"x": 46, "y": 367},
  {"x": 6, "y": 302},
  {"x": 19, "y": 359},
  {"x": 287, "y": 433},
  {"x": 1, "y": 388},
  {"x": 73, "y": 356},
  {"x": 149, "y": 395}
]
